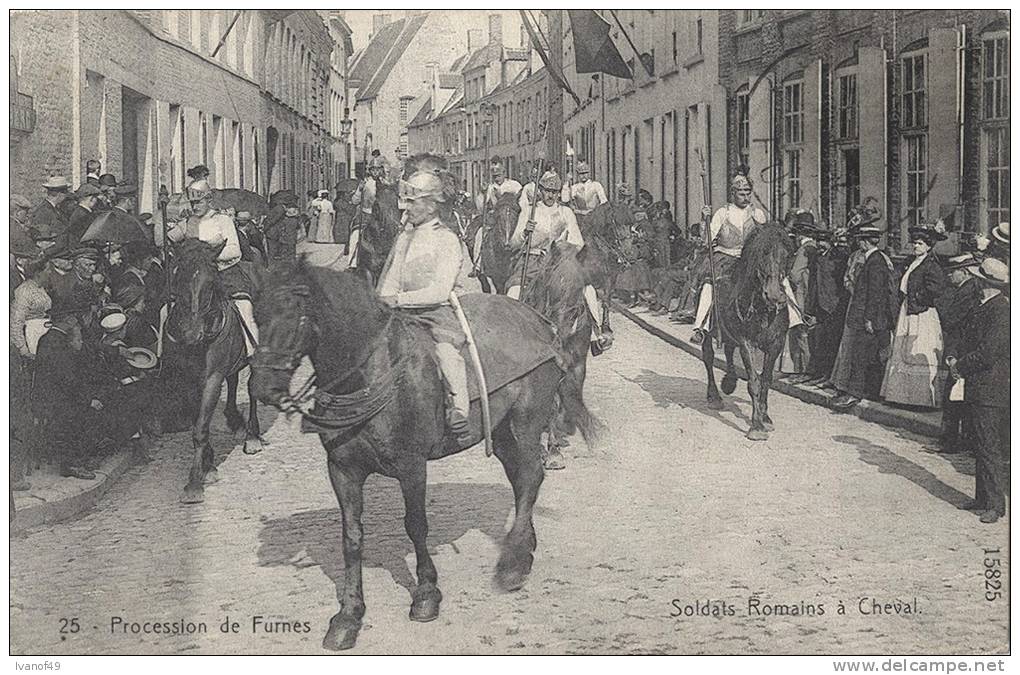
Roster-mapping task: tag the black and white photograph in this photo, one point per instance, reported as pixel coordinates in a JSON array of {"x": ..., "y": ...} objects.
[{"x": 499, "y": 332}]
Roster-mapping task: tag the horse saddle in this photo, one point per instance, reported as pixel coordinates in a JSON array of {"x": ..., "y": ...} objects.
[{"x": 512, "y": 340}]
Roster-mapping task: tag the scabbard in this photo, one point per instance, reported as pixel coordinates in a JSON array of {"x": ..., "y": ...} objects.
[{"x": 476, "y": 361}]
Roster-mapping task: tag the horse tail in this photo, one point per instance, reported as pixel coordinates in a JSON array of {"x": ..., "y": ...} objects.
[{"x": 576, "y": 413}]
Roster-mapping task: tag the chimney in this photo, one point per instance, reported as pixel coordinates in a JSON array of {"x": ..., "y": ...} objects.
[
  {"x": 474, "y": 40},
  {"x": 496, "y": 30},
  {"x": 378, "y": 21}
]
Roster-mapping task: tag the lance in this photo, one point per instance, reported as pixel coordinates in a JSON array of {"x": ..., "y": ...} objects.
[
  {"x": 529, "y": 227},
  {"x": 164, "y": 312},
  {"x": 707, "y": 224}
]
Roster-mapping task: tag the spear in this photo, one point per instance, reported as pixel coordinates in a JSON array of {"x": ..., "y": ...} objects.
[{"x": 707, "y": 224}]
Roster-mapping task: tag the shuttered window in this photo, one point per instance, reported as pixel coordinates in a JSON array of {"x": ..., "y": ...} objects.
[
  {"x": 995, "y": 78},
  {"x": 792, "y": 171},
  {"x": 744, "y": 124},
  {"x": 793, "y": 112},
  {"x": 915, "y": 107},
  {"x": 916, "y": 167},
  {"x": 848, "y": 106}
]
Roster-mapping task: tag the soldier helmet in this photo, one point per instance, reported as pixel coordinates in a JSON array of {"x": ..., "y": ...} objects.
[
  {"x": 199, "y": 191},
  {"x": 377, "y": 162},
  {"x": 421, "y": 185},
  {"x": 550, "y": 181},
  {"x": 582, "y": 167},
  {"x": 623, "y": 190},
  {"x": 740, "y": 182}
]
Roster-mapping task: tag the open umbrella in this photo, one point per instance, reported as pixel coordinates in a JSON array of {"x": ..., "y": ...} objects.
[
  {"x": 116, "y": 227},
  {"x": 240, "y": 200}
]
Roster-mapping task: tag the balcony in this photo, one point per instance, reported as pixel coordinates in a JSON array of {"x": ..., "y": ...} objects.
[{"x": 22, "y": 114}]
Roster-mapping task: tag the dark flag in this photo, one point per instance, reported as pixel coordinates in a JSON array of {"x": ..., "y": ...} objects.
[
  {"x": 594, "y": 51},
  {"x": 555, "y": 73}
]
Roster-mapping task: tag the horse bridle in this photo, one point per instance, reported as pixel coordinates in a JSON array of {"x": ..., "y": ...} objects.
[{"x": 206, "y": 333}]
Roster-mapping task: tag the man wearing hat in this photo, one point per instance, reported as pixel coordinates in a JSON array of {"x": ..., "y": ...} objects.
[
  {"x": 281, "y": 228},
  {"x": 249, "y": 239},
  {"x": 982, "y": 360},
  {"x": 84, "y": 211},
  {"x": 955, "y": 307},
  {"x": 801, "y": 224},
  {"x": 217, "y": 229},
  {"x": 868, "y": 322},
  {"x": 124, "y": 197},
  {"x": 585, "y": 194},
  {"x": 500, "y": 184},
  {"x": 364, "y": 195},
  {"x": 425, "y": 265},
  {"x": 728, "y": 229},
  {"x": 46, "y": 218},
  {"x": 92, "y": 172},
  {"x": 998, "y": 245},
  {"x": 108, "y": 185},
  {"x": 528, "y": 191}
]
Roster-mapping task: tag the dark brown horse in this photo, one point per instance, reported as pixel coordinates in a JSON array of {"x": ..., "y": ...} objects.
[
  {"x": 557, "y": 293},
  {"x": 380, "y": 409},
  {"x": 203, "y": 317},
  {"x": 379, "y": 233},
  {"x": 495, "y": 255},
  {"x": 751, "y": 308},
  {"x": 609, "y": 231}
]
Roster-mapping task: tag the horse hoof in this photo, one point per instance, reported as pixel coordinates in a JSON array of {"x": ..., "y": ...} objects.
[
  {"x": 425, "y": 606},
  {"x": 192, "y": 496},
  {"x": 729, "y": 383},
  {"x": 555, "y": 461},
  {"x": 715, "y": 404},
  {"x": 513, "y": 569},
  {"x": 342, "y": 634},
  {"x": 757, "y": 435},
  {"x": 212, "y": 476},
  {"x": 252, "y": 448}
]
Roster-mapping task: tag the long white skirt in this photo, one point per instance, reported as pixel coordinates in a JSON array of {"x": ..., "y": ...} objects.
[{"x": 913, "y": 375}]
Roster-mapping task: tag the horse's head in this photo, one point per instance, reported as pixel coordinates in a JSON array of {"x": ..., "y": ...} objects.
[
  {"x": 765, "y": 260},
  {"x": 505, "y": 213},
  {"x": 302, "y": 307},
  {"x": 614, "y": 225},
  {"x": 195, "y": 290},
  {"x": 286, "y": 334}
]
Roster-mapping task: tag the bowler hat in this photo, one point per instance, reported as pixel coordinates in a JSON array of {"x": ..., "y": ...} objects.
[
  {"x": 108, "y": 180},
  {"x": 927, "y": 232},
  {"x": 799, "y": 221},
  {"x": 56, "y": 183},
  {"x": 87, "y": 190},
  {"x": 125, "y": 190}
]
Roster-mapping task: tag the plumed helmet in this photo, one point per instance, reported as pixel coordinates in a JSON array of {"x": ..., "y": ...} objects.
[
  {"x": 623, "y": 190},
  {"x": 199, "y": 190},
  {"x": 582, "y": 167},
  {"x": 740, "y": 182},
  {"x": 422, "y": 184}
]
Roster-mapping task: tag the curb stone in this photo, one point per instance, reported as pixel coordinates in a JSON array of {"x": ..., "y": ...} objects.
[{"x": 869, "y": 411}]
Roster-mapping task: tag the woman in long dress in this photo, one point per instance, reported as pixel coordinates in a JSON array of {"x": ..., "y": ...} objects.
[{"x": 913, "y": 374}]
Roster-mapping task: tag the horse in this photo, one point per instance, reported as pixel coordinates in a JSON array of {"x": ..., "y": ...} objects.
[
  {"x": 751, "y": 308},
  {"x": 609, "y": 231},
  {"x": 557, "y": 293},
  {"x": 380, "y": 409},
  {"x": 202, "y": 316},
  {"x": 494, "y": 256},
  {"x": 379, "y": 232}
]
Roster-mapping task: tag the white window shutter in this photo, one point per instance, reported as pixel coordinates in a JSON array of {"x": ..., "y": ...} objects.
[
  {"x": 760, "y": 151},
  {"x": 943, "y": 119},
  {"x": 872, "y": 130},
  {"x": 810, "y": 196}
]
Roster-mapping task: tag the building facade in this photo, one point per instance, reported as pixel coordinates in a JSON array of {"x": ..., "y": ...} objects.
[
  {"x": 665, "y": 129},
  {"x": 151, "y": 93},
  {"x": 909, "y": 108}
]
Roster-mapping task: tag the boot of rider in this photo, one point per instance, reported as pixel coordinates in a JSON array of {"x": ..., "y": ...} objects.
[
  {"x": 701, "y": 317},
  {"x": 247, "y": 312},
  {"x": 591, "y": 301},
  {"x": 352, "y": 248},
  {"x": 514, "y": 292},
  {"x": 454, "y": 371}
]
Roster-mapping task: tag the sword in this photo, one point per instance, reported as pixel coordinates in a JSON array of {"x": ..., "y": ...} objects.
[{"x": 476, "y": 361}]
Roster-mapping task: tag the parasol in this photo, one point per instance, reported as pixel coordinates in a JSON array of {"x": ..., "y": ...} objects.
[
  {"x": 116, "y": 227},
  {"x": 240, "y": 200}
]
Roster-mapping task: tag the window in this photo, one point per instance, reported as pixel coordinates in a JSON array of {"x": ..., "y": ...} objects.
[
  {"x": 676, "y": 55},
  {"x": 699, "y": 36},
  {"x": 848, "y": 106},
  {"x": 852, "y": 171},
  {"x": 403, "y": 111},
  {"x": 744, "y": 124},
  {"x": 997, "y": 175},
  {"x": 916, "y": 175},
  {"x": 793, "y": 112},
  {"x": 184, "y": 25},
  {"x": 746, "y": 16},
  {"x": 914, "y": 104},
  {"x": 995, "y": 78},
  {"x": 793, "y": 178}
]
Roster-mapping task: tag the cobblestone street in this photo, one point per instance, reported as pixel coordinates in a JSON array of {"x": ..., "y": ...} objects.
[{"x": 674, "y": 509}]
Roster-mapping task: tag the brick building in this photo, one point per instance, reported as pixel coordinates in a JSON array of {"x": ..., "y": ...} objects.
[
  {"x": 656, "y": 131},
  {"x": 140, "y": 91},
  {"x": 910, "y": 107}
]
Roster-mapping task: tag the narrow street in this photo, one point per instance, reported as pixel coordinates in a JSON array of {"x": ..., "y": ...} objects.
[{"x": 674, "y": 509}]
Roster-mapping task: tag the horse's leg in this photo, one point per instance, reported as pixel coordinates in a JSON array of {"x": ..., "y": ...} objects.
[
  {"x": 757, "y": 432},
  {"x": 348, "y": 484},
  {"x": 426, "y": 597},
  {"x": 201, "y": 467},
  {"x": 708, "y": 357},
  {"x": 768, "y": 366},
  {"x": 254, "y": 431},
  {"x": 518, "y": 446},
  {"x": 729, "y": 380},
  {"x": 234, "y": 419}
]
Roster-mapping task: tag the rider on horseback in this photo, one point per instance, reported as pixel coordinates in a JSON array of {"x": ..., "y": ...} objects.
[
  {"x": 728, "y": 230},
  {"x": 427, "y": 263},
  {"x": 500, "y": 183},
  {"x": 218, "y": 229},
  {"x": 364, "y": 198},
  {"x": 553, "y": 221},
  {"x": 586, "y": 194}
]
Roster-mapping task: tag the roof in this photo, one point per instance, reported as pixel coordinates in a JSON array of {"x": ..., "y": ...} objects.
[
  {"x": 382, "y": 54},
  {"x": 424, "y": 115}
]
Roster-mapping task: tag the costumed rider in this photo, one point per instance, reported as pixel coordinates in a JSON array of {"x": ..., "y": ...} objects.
[
  {"x": 218, "y": 229},
  {"x": 727, "y": 232},
  {"x": 426, "y": 263},
  {"x": 553, "y": 221},
  {"x": 586, "y": 194},
  {"x": 364, "y": 199}
]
